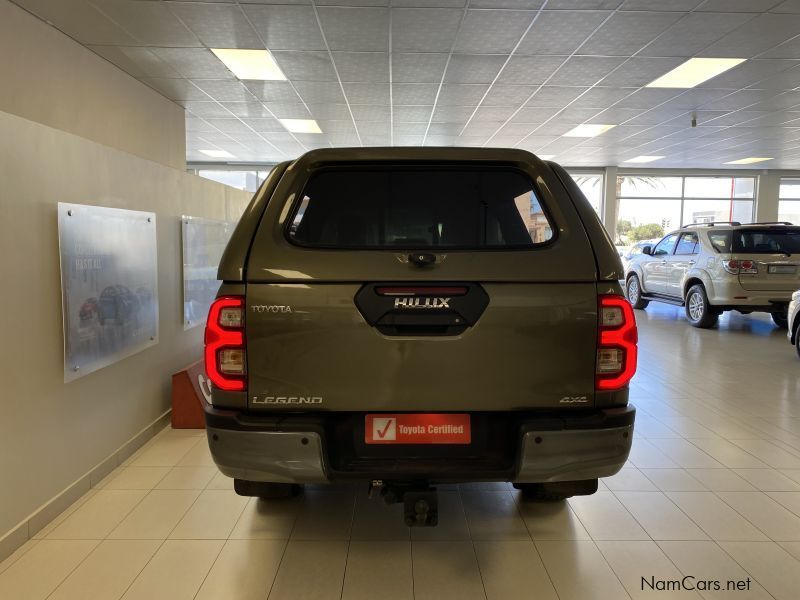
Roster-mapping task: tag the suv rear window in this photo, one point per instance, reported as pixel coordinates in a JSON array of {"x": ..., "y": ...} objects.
[
  {"x": 419, "y": 208},
  {"x": 758, "y": 241}
]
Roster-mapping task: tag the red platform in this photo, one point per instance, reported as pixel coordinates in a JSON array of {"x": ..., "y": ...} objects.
[{"x": 190, "y": 390}]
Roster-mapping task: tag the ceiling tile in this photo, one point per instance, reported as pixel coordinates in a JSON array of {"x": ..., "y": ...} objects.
[
  {"x": 627, "y": 32},
  {"x": 492, "y": 31},
  {"x": 457, "y": 94},
  {"x": 694, "y": 32},
  {"x": 370, "y": 112},
  {"x": 286, "y": 27},
  {"x": 585, "y": 70},
  {"x": 418, "y": 68},
  {"x": 639, "y": 71},
  {"x": 414, "y": 93},
  {"x": 558, "y": 96},
  {"x": 367, "y": 93},
  {"x": 330, "y": 112},
  {"x": 355, "y": 29},
  {"x": 362, "y": 66},
  {"x": 149, "y": 23},
  {"x": 424, "y": 30},
  {"x": 738, "y": 5},
  {"x": 80, "y": 20},
  {"x": 474, "y": 68},
  {"x": 509, "y": 95},
  {"x": 762, "y": 33},
  {"x": 194, "y": 63},
  {"x": 217, "y": 25},
  {"x": 412, "y": 114},
  {"x": 530, "y": 70},
  {"x": 305, "y": 66},
  {"x": 560, "y": 32},
  {"x": 320, "y": 92},
  {"x": 287, "y": 110},
  {"x": 175, "y": 89}
]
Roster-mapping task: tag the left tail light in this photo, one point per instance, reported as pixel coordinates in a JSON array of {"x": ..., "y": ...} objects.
[
  {"x": 616, "y": 344},
  {"x": 225, "y": 353}
]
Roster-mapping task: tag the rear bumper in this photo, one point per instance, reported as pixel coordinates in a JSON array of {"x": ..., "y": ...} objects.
[
  {"x": 297, "y": 449},
  {"x": 730, "y": 293}
]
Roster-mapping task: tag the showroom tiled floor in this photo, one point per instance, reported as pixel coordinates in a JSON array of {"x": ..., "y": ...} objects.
[{"x": 712, "y": 489}]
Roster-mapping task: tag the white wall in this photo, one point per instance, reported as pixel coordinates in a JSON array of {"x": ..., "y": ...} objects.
[
  {"x": 51, "y": 433},
  {"x": 47, "y": 77}
]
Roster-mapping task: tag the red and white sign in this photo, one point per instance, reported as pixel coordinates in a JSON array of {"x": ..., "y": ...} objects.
[{"x": 425, "y": 428}]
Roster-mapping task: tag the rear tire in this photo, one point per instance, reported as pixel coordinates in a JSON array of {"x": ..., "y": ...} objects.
[
  {"x": 699, "y": 312},
  {"x": 265, "y": 489},
  {"x": 781, "y": 319},
  {"x": 633, "y": 291},
  {"x": 556, "y": 491}
]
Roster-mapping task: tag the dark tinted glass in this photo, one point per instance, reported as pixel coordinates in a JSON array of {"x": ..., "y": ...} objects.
[
  {"x": 416, "y": 208},
  {"x": 767, "y": 241}
]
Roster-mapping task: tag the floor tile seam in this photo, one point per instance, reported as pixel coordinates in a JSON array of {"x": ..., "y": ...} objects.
[
  {"x": 764, "y": 533},
  {"x": 75, "y": 568},
  {"x": 678, "y": 508}
]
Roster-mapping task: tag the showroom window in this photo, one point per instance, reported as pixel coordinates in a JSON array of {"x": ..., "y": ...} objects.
[
  {"x": 789, "y": 203},
  {"x": 651, "y": 206},
  {"x": 247, "y": 181},
  {"x": 591, "y": 184}
]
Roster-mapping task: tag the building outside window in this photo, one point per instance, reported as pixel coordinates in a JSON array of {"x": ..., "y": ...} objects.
[
  {"x": 789, "y": 201},
  {"x": 652, "y": 206}
]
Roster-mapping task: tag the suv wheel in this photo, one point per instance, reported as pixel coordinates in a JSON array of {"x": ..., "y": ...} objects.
[
  {"x": 634, "y": 292},
  {"x": 556, "y": 491},
  {"x": 266, "y": 490},
  {"x": 698, "y": 311},
  {"x": 781, "y": 319}
]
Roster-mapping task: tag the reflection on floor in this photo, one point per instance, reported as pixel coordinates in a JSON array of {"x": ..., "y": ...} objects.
[{"x": 712, "y": 490}]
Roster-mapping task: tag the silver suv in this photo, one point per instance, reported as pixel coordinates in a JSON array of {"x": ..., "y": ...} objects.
[{"x": 713, "y": 267}]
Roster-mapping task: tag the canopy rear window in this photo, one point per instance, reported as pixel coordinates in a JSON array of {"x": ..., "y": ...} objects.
[{"x": 417, "y": 208}]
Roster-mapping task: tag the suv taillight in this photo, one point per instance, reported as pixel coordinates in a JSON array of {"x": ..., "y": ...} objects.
[
  {"x": 735, "y": 267},
  {"x": 225, "y": 355},
  {"x": 616, "y": 343}
]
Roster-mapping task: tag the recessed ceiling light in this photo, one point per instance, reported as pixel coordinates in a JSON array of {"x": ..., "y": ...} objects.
[
  {"x": 694, "y": 72},
  {"x": 643, "y": 159},
  {"x": 546, "y": 156},
  {"x": 588, "y": 130},
  {"x": 217, "y": 153},
  {"x": 748, "y": 161},
  {"x": 250, "y": 64},
  {"x": 301, "y": 125}
]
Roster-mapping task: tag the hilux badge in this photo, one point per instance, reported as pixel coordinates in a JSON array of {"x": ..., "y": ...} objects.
[{"x": 422, "y": 302}]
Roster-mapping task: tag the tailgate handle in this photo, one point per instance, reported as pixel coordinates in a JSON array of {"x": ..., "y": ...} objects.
[{"x": 422, "y": 259}]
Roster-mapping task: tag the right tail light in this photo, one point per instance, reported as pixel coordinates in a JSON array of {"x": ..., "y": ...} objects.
[
  {"x": 616, "y": 343},
  {"x": 225, "y": 355}
]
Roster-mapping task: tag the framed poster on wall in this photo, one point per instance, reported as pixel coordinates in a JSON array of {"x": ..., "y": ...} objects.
[
  {"x": 109, "y": 285},
  {"x": 204, "y": 241}
]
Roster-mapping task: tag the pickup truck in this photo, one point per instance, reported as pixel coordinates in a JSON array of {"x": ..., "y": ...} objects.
[{"x": 407, "y": 317}]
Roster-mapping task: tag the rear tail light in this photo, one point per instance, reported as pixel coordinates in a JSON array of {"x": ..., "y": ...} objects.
[
  {"x": 616, "y": 344},
  {"x": 736, "y": 267},
  {"x": 225, "y": 355}
]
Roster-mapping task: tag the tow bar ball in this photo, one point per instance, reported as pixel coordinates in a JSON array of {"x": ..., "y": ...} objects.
[{"x": 421, "y": 508}]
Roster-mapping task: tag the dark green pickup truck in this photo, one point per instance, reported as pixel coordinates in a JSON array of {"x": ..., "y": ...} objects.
[{"x": 412, "y": 316}]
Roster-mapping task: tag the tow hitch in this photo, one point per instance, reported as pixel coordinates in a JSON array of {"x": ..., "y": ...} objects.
[{"x": 420, "y": 501}]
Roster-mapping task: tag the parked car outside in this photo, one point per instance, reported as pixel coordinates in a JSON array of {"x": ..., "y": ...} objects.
[
  {"x": 407, "y": 317},
  {"x": 710, "y": 268}
]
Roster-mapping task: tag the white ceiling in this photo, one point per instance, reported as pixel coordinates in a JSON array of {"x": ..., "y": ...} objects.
[{"x": 516, "y": 73}]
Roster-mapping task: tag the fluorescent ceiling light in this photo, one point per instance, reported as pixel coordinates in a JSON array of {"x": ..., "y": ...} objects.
[
  {"x": 250, "y": 64},
  {"x": 301, "y": 125},
  {"x": 217, "y": 153},
  {"x": 748, "y": 161},
  {"x": 643, "y": 159},
  {"x": 588, "y": 130},
  {"x": 694, "y": 72}
]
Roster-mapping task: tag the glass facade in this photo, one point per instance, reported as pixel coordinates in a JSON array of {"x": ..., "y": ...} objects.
[
  {"x": 650, "y": 206},
  {"x": 591, "y": 184},
  {"x": 789, "y": 202}
]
